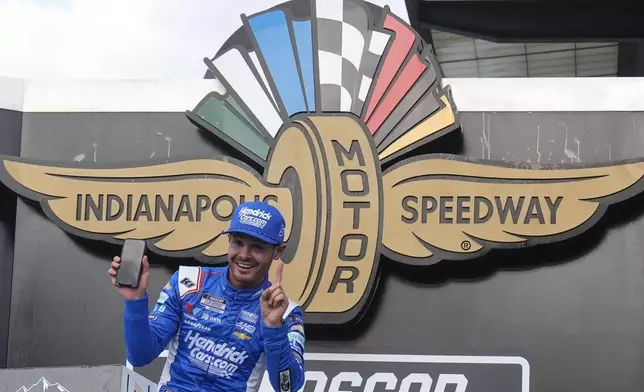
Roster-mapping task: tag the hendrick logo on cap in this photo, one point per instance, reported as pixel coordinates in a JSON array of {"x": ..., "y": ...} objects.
[{"x": 254, "y": 217}]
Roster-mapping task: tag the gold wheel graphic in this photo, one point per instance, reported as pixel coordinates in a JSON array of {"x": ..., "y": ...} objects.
[{"x": 336, "y": 227}]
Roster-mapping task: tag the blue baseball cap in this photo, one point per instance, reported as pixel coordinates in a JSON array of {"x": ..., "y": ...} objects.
[{"x": 260, "y": 220}]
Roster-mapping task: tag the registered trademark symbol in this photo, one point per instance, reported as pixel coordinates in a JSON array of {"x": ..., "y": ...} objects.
[{"x": 466, "y": 245}]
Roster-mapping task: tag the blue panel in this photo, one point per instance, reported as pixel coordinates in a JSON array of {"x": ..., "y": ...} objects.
[
  {"x": 272, "y": 35},
  {"x": 304, "y": 41}
]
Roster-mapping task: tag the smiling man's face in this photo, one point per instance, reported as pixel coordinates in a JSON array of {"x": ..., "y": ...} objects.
[{"x": 250, "y": 259}]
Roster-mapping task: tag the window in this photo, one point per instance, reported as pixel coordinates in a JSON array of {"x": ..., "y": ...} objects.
[{"x": 467, "y": 57}]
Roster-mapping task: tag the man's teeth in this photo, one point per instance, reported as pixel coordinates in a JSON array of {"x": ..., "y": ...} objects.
[{"x": 245, "y": 265}]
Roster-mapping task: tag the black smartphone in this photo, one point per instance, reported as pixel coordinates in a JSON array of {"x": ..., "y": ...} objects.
[{"x": 131, "y": 263}]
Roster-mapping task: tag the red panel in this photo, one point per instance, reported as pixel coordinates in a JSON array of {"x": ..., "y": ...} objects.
[
  {"x": 394, "y": 58},
  {"x": 413, "y": 70}
]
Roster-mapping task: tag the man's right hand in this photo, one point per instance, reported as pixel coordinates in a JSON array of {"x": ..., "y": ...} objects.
[{"x": 127, "y": 292}]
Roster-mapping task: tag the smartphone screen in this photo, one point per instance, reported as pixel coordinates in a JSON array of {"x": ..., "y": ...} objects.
[{"x": 131, "y": 260}]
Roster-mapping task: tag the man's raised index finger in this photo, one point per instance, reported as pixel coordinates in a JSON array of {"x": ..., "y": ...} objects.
[{"x": 278, "y": 273}]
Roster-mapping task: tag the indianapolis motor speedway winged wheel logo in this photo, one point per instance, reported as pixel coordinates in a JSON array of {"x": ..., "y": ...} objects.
[{"x": 321, "y": 94}]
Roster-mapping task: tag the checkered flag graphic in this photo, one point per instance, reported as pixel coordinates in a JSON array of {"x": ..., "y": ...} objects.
[{"x": 349, "y": 51}]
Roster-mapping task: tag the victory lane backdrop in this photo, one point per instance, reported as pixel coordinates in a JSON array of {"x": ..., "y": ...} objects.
[{"x": 480, "y": 303}]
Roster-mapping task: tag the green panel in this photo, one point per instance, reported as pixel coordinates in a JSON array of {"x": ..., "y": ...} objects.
[
  {"x": 226, "y": 121},
  {"x": 240, "y": 111}
]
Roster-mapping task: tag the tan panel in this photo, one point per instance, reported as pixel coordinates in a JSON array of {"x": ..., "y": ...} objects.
[{"x": 436, "y": 122}]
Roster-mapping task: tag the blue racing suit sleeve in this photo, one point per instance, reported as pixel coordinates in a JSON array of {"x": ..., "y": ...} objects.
[
  {"x": 284, "y": 351},
  {"x": 148, "y": 333}
]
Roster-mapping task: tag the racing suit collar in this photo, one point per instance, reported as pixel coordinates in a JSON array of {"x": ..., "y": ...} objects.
[{"x": 232, "y": 293}]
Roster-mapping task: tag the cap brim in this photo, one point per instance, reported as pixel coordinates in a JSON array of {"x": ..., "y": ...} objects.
[{"x": 253, "y": 234}]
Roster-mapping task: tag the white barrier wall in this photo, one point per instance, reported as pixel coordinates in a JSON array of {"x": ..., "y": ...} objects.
[{"x": 470, "y": 95}]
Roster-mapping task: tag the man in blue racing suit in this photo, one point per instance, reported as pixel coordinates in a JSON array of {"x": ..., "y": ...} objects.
[{"x": 225, "y": 326}]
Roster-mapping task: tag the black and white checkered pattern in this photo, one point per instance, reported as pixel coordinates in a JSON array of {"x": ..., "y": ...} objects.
[{"x": 348, "y": 53}]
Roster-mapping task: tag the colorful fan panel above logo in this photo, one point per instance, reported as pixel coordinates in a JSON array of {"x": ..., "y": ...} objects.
[{"x": 338, "y": 56}]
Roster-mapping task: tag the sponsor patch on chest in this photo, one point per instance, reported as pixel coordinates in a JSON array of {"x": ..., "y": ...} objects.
[
  {"x": 242, "y": 336},
  {"x": 246, "y": 327},
  {"x": 212, "y": 303},
  {"x": 248, "y": 317}
]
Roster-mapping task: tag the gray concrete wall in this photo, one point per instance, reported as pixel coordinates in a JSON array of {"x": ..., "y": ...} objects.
[
  {"x": 10, "y": 130},
  {"x": 567, "y": 302}
]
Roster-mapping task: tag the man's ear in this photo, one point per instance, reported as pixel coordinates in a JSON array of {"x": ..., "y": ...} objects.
[{"x": 278, "y": 251}]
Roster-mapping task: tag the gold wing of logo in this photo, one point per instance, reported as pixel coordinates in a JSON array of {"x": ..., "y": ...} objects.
[
  {"x": 180, "y": 207},
  {"x": 446, "y": 207}
]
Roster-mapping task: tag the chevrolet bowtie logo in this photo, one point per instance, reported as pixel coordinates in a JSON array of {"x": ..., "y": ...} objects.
[{"x": 321, "y": 135}]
